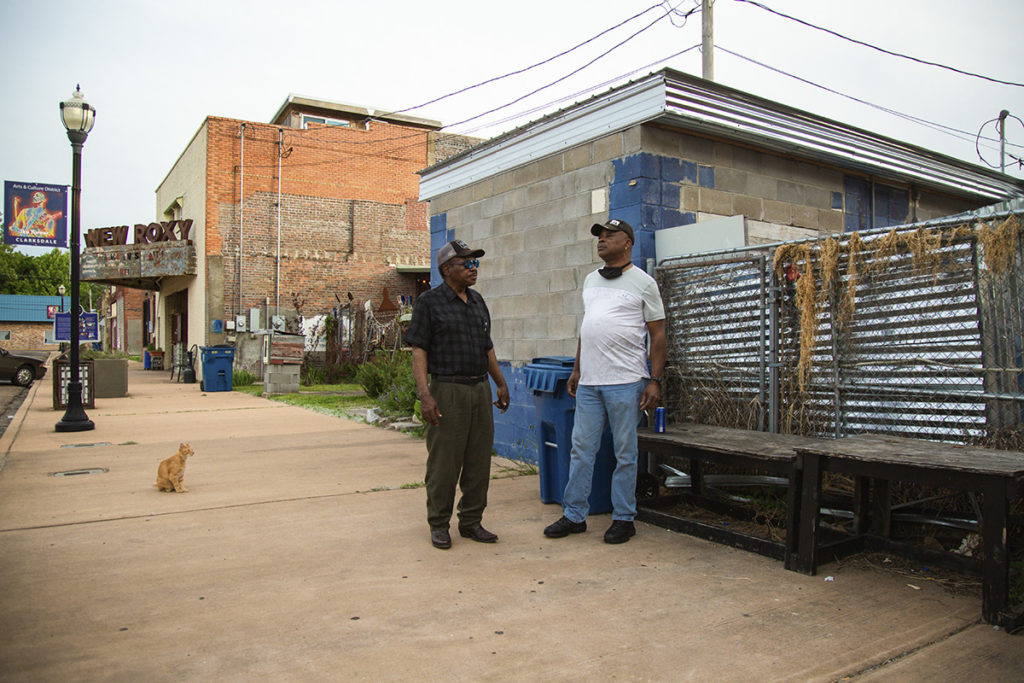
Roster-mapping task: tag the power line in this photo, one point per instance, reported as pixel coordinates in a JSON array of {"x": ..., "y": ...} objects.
[
  {"x": 948, "y": 130},
  {"x": 875, "y": 47},
  {"x": 585, "y": 91},
  {"x": 534, "y": 66},
  {"x": 571, "y": 73},
  {"x": 1020, "y": 162}
]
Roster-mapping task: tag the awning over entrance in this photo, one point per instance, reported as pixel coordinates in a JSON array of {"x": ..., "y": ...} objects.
[{"x": 140, "y": 266}]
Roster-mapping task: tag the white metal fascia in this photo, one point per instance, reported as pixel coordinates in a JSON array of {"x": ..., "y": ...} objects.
[
  {"x": 702, "y": 109},
  {"x": 633, "y": 104}
]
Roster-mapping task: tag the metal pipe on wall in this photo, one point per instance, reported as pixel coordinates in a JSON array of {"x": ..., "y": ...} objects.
[
  {"x": 241, "y": 210},
  {"x": 277, "y": 283}
]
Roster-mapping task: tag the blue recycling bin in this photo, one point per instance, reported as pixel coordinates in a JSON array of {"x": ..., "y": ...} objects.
[
  {"x": 218, "y": 364},
  {"x": 548, "y": 378}
]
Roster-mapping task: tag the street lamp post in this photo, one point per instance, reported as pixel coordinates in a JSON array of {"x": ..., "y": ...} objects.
[
  {"x": 78, "y": 118},
  {"x": 60, "y": 290}
]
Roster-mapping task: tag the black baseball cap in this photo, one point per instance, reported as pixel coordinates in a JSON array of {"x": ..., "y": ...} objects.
[
  {"x": 456, "y": 248},
  {"x": 613, "y": 224}
]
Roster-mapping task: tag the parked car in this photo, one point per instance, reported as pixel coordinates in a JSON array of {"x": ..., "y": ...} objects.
[{"x": 22, "y": 367}]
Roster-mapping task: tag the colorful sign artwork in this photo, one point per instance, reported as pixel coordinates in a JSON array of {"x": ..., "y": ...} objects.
[{"x": 35, "y": 214}]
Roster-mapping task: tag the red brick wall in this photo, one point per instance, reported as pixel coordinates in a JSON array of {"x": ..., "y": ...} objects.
[{"x": 349, "y": 211}]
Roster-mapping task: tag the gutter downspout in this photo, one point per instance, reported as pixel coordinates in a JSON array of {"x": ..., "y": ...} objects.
[
  {"x": 241, "y": 212},
  {"x": 277, "y": 284}
]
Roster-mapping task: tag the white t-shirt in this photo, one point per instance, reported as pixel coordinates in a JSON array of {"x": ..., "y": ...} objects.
[{"x": 613, "y": 336}]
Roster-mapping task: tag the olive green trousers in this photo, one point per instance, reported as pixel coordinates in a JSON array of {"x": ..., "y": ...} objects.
[{"x": 459, "y": 453}]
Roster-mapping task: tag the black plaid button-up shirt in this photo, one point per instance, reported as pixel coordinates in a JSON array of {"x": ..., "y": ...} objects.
[{"x": 455, "y": 335}]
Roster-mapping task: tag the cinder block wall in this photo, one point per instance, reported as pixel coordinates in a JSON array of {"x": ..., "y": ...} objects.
[{"x": 534, "y": 223}]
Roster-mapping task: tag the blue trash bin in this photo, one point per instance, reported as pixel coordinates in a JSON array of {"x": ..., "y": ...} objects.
[
  {"x": 218, "y": 364},
  {"x": 548, "y": 378}
]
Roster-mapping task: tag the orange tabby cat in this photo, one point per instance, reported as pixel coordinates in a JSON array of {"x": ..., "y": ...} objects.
[{"x": 170, "y": 476}]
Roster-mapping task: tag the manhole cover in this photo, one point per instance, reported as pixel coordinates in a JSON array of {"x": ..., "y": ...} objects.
[
  {"x": 75, "y": 473},
  {"x": 85, "y": 445}
]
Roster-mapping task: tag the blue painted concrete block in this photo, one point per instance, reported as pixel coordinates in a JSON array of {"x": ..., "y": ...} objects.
[
  {"x": 643, "y": 165},
  {"x": 670, "y": 195},
  {"x": 706, "y": 176}
]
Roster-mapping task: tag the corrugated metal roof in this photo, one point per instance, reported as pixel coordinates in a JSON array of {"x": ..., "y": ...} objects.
[
  {"x": 25, "y": 308},
  {"x": 694, "y": 104}
]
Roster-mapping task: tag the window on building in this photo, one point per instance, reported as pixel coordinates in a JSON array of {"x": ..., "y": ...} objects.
[
  {"x": 5, "y": 335},
  {"x": 48, "y": 337},
  {"x": 324, "y": 121},
  {"x": 870, "y": 205}
]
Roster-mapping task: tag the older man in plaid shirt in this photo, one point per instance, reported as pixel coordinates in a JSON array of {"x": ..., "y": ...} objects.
[{"x": 450, "y": 335}]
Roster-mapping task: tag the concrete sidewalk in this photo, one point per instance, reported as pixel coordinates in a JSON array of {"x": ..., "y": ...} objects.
[{"x": 297, "y": 556}]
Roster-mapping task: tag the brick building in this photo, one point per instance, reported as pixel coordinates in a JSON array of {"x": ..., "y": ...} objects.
[
  {"x": 674, "y": 155},
  {"x": 255, "y": 220},
  {"x": 26, "y": 321}
]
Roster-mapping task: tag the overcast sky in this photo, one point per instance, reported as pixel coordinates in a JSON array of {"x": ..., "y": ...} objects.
[{"x": 155, "y": 69}]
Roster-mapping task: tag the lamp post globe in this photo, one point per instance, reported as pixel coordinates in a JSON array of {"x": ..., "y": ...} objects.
[{"x": 78, "y": 118}]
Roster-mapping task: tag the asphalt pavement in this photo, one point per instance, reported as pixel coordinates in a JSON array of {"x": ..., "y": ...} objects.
[{"x": 301, "y": 553}]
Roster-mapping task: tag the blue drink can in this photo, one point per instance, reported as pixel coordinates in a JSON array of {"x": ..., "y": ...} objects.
[{"x": 659, "y": 419}]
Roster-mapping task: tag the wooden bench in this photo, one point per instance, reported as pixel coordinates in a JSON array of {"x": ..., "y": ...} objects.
[
  {"x": 874, "y": 461},
  {"x": 775, "y": 453}
]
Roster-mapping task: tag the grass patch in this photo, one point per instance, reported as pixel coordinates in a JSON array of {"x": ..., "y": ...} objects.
[
  {"x": 330, "y": 404},
  {"x": 413, "y": 485},
  {"x": 344, "y": 386},
  {"x": 507, "y": 469}
]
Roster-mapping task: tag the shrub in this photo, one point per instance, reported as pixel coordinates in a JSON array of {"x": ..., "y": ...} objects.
[
  {"x": 242, "y": 378},
  {"x": 313, "y": 374},
  {"x": 389, "y": 379}
]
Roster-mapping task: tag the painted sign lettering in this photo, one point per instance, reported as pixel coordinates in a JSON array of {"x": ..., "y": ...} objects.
[{"x": 165, "y": 231}]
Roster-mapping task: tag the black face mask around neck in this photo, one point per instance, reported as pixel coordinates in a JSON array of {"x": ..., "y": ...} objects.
[{"x": 611, "y": 272}]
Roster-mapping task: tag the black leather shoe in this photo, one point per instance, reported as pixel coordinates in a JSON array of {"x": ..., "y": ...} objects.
[
  {"x": 478, "y": 534},
  {"x": 563, "y": 527},
  {"x": 441, "y": 538},
  {"x": 619, "y": 532}
]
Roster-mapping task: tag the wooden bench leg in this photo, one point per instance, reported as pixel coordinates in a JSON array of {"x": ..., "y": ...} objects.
[
  {"x": 810, "y": 508},
  {"x": 996, "y": 570},
  {"x": 881, "y": 507},
  {"x": 696, "y": 477},
  {"x": 793, "y": 501},
  {"x": 861, "y": 505}
]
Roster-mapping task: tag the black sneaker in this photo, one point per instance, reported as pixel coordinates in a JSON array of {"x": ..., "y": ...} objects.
[
  {"x": 563, "y": 527},
  {"x": 619, "y": 532}
]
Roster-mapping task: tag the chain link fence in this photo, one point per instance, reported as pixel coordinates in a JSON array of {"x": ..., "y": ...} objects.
[{"x": 915, "y": 332}]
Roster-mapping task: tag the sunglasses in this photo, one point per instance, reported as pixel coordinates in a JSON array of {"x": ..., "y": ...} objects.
[{"x": 470, "y": 263}]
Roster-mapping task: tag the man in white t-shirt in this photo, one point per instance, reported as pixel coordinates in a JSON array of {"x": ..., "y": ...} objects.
[{"x": 610, "y": 380}]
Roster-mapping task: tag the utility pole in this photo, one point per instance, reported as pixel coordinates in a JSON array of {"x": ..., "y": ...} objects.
[
  {"x": 1002, "y": 140},
  {"x": 707, "y": 39}
]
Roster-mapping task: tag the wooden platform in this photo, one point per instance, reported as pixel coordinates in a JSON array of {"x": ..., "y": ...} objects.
[
  {"x": 700, "y": 444},
  {"x": 874, "y": 461}
]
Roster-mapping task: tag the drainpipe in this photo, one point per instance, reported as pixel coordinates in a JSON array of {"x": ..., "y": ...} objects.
[
  {"x": 277, "y": 284},
  {"x": 241, "y": 211}
]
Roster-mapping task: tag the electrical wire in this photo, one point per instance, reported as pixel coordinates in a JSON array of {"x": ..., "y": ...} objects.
[
  {"x": 875, "y": 47},
  {"x": 948, "y": 130},
  {"x": 532, "y": 66},
  {"x": 581, "y": 93},
  {"x": 1020, "y": 162},
  {"x": 568, "y": 75},
  {"x": 388, "y": 153}
]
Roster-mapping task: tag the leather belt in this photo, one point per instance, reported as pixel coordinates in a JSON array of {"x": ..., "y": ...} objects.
[{"x": 460, "y": 379}]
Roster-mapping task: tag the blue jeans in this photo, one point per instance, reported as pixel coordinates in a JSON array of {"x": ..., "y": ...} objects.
[{"x": 617, "y": 405}]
